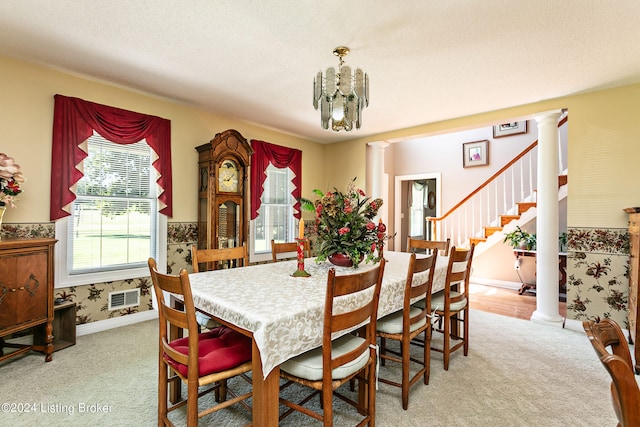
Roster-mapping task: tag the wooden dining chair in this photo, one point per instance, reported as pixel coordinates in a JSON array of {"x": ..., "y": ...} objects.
[
  {"x": 428, "y": 246},
  {"x": 406, "y": 324},
  {"x": 607, "y": 334},
  {"x": 625, "y": 394},
  {"x": 200, "y": 359},
  {"x": 452, "y": 304},
  {"x": 326, "y": 368},
  {"x": 288, "y": 250},
  {"x": 211, "y": 259}
]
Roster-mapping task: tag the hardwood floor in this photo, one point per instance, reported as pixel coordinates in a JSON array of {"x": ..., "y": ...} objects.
[{"x": 506, "y": 302}]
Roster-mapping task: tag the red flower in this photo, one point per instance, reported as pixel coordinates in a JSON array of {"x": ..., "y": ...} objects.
[
  {"x": 373, "y": 246},
  {"x": 13, "y": 187},
  {"x": 371, "y": 225},
  {"x": 361, "y": 193},
  {"x": 348, "y": 209},
  {"x": 382, "y": 228},
  {"x": 344, "y": 230}
]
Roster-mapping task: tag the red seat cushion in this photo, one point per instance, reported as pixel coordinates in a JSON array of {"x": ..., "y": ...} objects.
[{"x": 219, "y": 349}]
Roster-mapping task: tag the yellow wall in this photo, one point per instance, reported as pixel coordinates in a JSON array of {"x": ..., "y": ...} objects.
[
  {"x": 26, "y": 118},
  {"x": 604, "y": 143}
]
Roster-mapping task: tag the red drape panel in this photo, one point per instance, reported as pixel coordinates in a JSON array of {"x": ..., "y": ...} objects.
[
  {"x": 281, "y": 157},
  {"x": 74, "y": 121}
]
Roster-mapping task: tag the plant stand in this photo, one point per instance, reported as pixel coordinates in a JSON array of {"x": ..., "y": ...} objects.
[{"x": 562, "y": 268}]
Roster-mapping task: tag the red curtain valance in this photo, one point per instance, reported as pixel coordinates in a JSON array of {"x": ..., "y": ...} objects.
[
  {"x": 281, "y": 157},
  {"x": 74, "y": 120}
]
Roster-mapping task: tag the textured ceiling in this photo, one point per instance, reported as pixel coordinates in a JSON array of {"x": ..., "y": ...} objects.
[{"x": 427, "y": 60}]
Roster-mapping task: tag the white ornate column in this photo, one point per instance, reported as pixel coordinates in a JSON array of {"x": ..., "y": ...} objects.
[
  {"x": 376, "y": 177},
  {"x": 376, "y": 172},
  {"x": 547, "y": 272}
]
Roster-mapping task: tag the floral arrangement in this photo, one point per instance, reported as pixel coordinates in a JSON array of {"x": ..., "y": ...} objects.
[
  {"x": 10, "y": 179},
  {"x": 344, "y": 225}
]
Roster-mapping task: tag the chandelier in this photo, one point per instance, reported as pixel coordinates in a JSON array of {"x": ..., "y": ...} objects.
[{"x": 341, "y": 95}]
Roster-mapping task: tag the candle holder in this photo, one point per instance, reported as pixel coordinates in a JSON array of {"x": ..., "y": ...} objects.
[
  {"x": 380, "y": 250},
  {"x": 300, "y": 272}
]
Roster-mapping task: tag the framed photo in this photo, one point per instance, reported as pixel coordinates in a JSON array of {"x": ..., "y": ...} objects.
[
  {"x": 508, "y": 129},
  {"x": 475, "y": 153}
]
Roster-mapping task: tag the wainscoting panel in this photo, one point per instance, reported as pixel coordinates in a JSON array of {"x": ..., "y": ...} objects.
[{"x": 598, "y": 274}]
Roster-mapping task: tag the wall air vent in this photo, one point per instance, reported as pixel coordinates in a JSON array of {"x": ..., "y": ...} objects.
[{"x": 124, "y": 299}]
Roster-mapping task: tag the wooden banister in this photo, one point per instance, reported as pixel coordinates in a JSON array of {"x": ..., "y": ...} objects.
[
  {"x": 494, "y": 177},
  {"x": 487, "y": 182}
]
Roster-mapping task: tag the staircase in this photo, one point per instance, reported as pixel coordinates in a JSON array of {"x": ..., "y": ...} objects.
[
  {"x": 504, "y": 220},
  {"x": 506, "y": 199}
]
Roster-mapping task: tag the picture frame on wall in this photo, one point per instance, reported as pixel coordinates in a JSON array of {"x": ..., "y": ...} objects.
[
  {"x": 508, "y": 129},
  {"x": 475, "y": 153}
]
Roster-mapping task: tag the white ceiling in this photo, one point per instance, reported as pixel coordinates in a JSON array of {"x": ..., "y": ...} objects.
[{"x": 427, "y": 60}]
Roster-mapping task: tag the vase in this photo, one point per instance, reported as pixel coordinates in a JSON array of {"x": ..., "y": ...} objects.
[
  {"x": 343, "y": 260},
  {"x": 2, "y": 209}
]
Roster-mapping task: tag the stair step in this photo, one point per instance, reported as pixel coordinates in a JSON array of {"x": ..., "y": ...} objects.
[
  {"x": 477, "y": 240},
  {"x": 525, "y": 206},
  {"x": 506, "y": 219},
  {"x": 488, "y": 231},
  {"x": 562, "y": 180}
]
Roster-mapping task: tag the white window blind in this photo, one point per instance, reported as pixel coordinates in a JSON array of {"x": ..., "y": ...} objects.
[
  {"x": 114, "y": 217},
  {"x": 275, "y": 217}
]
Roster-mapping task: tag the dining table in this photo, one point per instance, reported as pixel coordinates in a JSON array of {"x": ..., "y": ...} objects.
[{"x": 284, "y": 314}]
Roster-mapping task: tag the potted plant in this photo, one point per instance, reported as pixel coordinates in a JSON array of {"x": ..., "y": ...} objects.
[
  {"x": 520, "y": 239},
  {"x": 562, "y": 239},
  {"x": 344, "y": 227}
]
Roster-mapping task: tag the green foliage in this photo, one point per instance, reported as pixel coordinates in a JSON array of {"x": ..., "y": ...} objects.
[
  {"x": 563, "y": 238},
  {"x": 519, "y": 238},
  {"x": 344, "y": 224}
]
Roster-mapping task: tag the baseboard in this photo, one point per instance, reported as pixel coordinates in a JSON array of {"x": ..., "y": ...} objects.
[
  {"x": 496, "y": 283},
  {"x": 574, "y": 325},
  {"x": 116, "y": 322}
]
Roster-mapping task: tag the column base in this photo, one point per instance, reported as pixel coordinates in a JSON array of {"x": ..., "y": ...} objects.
[{"x": 555, "y": 320}]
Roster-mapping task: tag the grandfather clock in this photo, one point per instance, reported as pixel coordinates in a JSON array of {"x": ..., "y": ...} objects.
[{"x": 223, "y": 194}]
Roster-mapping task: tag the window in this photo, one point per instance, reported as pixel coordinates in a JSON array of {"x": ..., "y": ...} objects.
[
  {"x": 275, "y": 218},
  {"x": 417, "y": 209},
  {"x": 114, "y": 225}
]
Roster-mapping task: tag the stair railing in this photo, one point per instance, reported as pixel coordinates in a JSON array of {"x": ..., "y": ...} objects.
[{"x": 497, "y": 196}]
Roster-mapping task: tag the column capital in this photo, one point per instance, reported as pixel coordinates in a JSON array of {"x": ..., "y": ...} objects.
[
  {"x": 548, "y": 115},
  {"x": 378, "y": 144}
]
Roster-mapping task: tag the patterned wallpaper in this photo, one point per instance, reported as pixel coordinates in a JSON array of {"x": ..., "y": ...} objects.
[
  {"x": 598, "y": 274},
  {"x": 92, "y": 300}
]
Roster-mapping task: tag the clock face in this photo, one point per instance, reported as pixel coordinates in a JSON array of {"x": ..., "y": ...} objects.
[{"x": 228, "y": 177}]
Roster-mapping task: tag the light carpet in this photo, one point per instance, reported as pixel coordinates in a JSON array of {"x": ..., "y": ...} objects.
[{"x": 517, "y": 373}]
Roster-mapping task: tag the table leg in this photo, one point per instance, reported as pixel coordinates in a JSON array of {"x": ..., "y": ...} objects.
[
  {"x": 525, "y": 287},
  {"x": 562, "y": 266},
  {"x": 266, "y": 392}
]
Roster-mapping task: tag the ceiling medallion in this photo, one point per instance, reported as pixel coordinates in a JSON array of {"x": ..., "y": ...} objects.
[{"x": 341, "y": 95}]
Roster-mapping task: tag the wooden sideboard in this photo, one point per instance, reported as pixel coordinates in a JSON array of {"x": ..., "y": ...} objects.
[{"x": 26, "y": 292}]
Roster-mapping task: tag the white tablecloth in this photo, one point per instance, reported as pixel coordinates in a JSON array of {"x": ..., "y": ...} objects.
[{"x": 285, "y": 313}]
